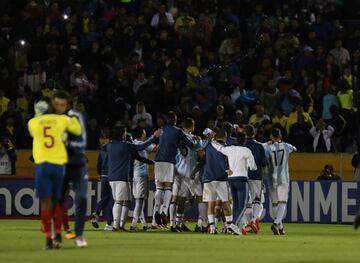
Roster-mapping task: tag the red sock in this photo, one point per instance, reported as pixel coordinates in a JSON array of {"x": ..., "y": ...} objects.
[
  {"x": 57, "y": 218},
  {"x": 46, "y": 216},
  {"x": 65, "y": 216}
]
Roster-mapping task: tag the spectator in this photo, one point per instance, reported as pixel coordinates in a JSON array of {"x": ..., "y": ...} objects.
[
  {"x": 340, "y": 54},
  {"x": 299, "y": 135},
  {"x": 349, "y": 77},
  {"x": 293, "y": 117},
  {"x": 280, "y": 118},
  {"x": 346, "y": 99},
  {"x": 270, "y": 97},
  {"x": 7, "y": 157},
  {"x": 162, "y": 13},
  {"x": 258, "y": 117},
  {"x": 339, "y": 124},
  {"x": 139, "y": 81},
  {"x": 328, "y": 101},
  {"x": 4, "y": 102},
  {"x": 142, "y": 115},
  {"x": 36, "y": 78},
  {"x": 322, "y": 134}
]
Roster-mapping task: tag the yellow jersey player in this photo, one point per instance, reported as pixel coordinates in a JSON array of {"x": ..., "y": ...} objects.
[{"x": 50, "y": 157}]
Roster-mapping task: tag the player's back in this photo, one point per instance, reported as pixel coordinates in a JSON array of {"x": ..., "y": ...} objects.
[
  {"x": 216, "y": 165},
  {"x": 278, "y": 154},
  {"x": 119, "y": 157},
  {"x": 186, "y": 160},
  {"x": 258, "y": 152},
  {"x": 48, "y": 137},
  {"x": 140, "y": 168},
  {"x": 168, "y": 144}
]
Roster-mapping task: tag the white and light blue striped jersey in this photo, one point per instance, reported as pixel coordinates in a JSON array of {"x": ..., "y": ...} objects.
[
  {"x": 186, "y": 158},
  {"x": 142, "y": 169},
  {"x": 278, "y": 156}
]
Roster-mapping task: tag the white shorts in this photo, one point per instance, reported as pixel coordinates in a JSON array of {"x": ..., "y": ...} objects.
[
  {"x": 216, "y": 190},
  {"x": 279, "y": 193},
  {"x": 255, "y": 191},
  {"x": 195, "y": 187},
  {"x": 180, "y": 188},
  {"x": 140, "y": 187},
  {"x": 120, "y": 190},
  {"x": 164, "y": 172}
]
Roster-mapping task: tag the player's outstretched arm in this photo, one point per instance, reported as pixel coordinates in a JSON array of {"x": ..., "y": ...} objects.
[
  {"x": 138, "y": 157},
  {"x": 145, "y": 144},
  {"x": 221, "y": 148},
  {"x": 190, "y": 142}
]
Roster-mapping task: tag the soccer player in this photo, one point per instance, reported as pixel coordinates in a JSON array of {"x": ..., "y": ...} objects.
[
  {"x": 76, "y": 173},
  {"x": 120, "y": 153},
  {"x": 216, "y": 185},
  {"x": 140, "y": 185},
  {"x": 50, "y": 157},
  {"x": 184, "y": 186},
  {"x": 229, "y": 128},
  {"x": 240, "y": 160},
  {"x": 106, "y": 202},
  {"x": 255, "y": 178},
  {"x": 278, "y": 154},
  {"x": 170, "y": 140}
]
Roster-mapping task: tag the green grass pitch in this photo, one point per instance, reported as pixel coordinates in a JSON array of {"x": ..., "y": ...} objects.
[{"x": 22, "y": 241}]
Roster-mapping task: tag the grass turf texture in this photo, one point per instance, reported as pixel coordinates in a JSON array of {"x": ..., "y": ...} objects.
[{"x": 22, "y": 241}]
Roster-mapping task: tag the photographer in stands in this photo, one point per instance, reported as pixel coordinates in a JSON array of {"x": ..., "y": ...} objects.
[{"x": 328, "y": 174}]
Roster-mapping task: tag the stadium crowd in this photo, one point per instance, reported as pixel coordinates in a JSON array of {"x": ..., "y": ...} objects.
[{"x": 288, "y": 64}]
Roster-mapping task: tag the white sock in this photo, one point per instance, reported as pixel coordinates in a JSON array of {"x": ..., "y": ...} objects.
[
  {"x": 157, "y": 199},
  {"x": 257, "y": 211},
  {"x": 167, "y": 199},
  {"x": 124, "y": 215},
  {"x": 172, "y": 210},
  {"x": 137, "y": 212},
  {"x": 274, "y": 210},
  {"x": 211, "y": 219},
  {"x": 179, "y": 219},
  {"x": 229, "y": 220},
  {"x": 116, "y": 215},
  {"x": 248, "y": 213},
  {"x": 202, "y": 207},
  {"x": 280, "y": 213},
  {"x": 142, "y": 213}
]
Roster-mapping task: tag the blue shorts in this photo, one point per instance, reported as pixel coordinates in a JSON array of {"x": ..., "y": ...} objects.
[{"x": 49, "y": 180}]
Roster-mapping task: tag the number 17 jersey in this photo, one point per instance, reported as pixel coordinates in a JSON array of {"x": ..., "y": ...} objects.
[
  {"x": 48, "y": 132},
  {"x": 278, "y": 155}
]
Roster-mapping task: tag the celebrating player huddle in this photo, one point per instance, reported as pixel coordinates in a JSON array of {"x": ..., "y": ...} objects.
[{"x": 222, "y": 174}]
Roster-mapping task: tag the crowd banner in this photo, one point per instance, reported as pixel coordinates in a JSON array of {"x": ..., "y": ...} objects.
[{"x": 309, "y": 201}]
